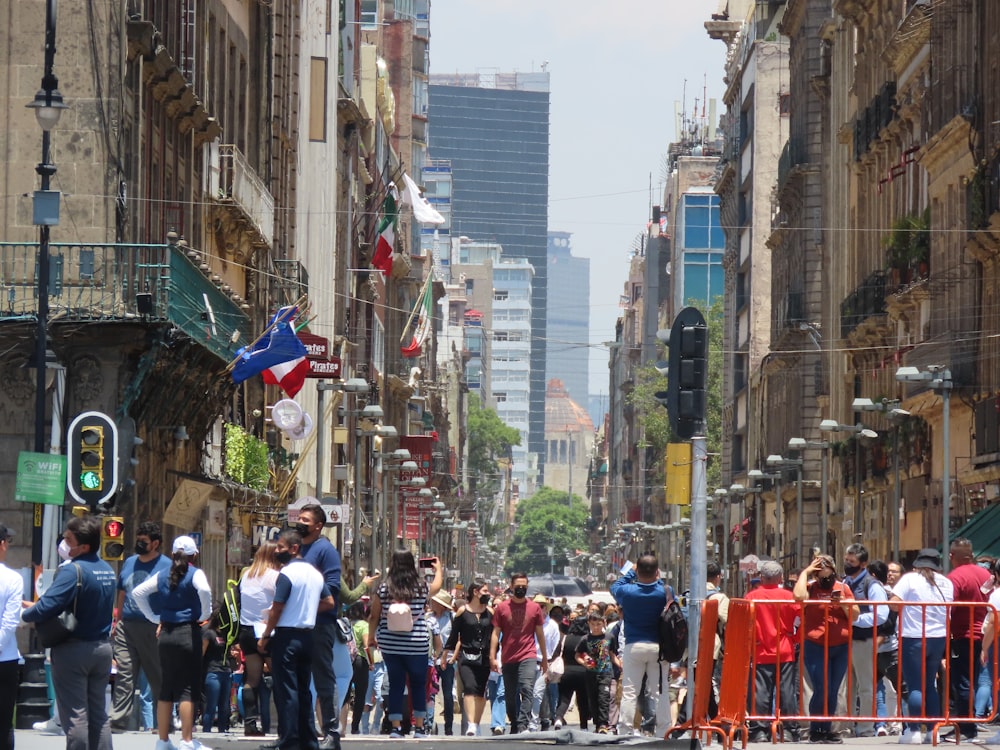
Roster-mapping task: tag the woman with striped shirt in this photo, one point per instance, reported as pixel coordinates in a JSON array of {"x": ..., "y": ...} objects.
[{"x": 403, "y": 636}]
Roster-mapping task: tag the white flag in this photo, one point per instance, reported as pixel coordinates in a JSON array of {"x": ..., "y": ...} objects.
[{"x": 423, "y": 211}]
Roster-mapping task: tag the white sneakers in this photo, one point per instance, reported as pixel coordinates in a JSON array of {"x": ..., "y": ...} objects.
[
  {"x": 164, "y": 745},
  {"x": 472, "y": 731},
  {"x": 48, "y": 727}
]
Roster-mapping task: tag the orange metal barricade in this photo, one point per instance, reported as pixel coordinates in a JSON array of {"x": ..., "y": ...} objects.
[
  {"x": 698, "y": 723},
  {"x": 736, "y": 693}
]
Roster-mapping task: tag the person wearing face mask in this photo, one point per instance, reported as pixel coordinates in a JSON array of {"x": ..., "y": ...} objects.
[
  {"x": 133, "y": 635},
  {"x": 322, "y": 555},
  {"x": 864, "y": 586},
  {"x": 468, "y": 645},
  {"x": 826, "y": 622},
  {"x": 520, "y": 623}
]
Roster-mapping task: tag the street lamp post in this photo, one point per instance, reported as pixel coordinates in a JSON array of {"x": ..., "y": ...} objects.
[
  {"x": 759, "y": 476},
  {"x": 890, "y": 407},
  {"x": 777, "y": 461},
  {"x": 48, "y": 105},
  {"x": 938, "y": 377},
  {"x": 722, "y": 498},
  {"x": 797, "y": 445},
  {"x": 831, "y": 425}
]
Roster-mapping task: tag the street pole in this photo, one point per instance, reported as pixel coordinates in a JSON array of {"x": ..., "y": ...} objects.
[
  {"x": 895, "y": 494},
  {"x": 699, "y": 561},
  {"x": 824, "y": 483},
  {"x": 320, "y": 447},
  {"x": 356, "y": 511},
  {"x": 945, "y": 388},
  {"x": 856, "y": 530},
  {"x": 799, "y": 557}
]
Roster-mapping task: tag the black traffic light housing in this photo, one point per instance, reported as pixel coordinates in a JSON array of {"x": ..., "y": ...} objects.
[
  {"x": 688, "y": 373},
  {"x": 92, "y": 457}
]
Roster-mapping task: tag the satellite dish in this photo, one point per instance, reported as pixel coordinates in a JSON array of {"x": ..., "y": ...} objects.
[
  {"x": 303, "y": 430},
  {"x": 286, "y": 414}
]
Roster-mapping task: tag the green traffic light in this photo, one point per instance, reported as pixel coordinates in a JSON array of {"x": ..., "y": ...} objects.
[{"x": 90, "y": 480}]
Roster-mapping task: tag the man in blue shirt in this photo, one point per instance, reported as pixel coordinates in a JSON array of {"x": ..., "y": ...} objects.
[
  {"x": 642, "y": 596},
  {"x": 81, "y": 665},
  {"x": 321, "y": 554},
  {"x": 864, "y": 586},
  {"x": 133, "y": 637}
]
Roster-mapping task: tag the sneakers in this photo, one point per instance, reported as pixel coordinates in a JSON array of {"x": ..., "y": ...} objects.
[
  {"x": 911, "y": 738},
  {"x": 497, "y": 731},
  {"x": 165, "y": 745},
  {"x": 396, "y": 734},
  {"x": 881, "y": 732},
  {"x": 187, "y": 745},
  {"x": 833, "y": 738},
  {"x": 48, "y": 727},
  {"x": 558, "y": 724},
  {"x": 419, "y": 734},
  {"x": 472, "y": 731}
]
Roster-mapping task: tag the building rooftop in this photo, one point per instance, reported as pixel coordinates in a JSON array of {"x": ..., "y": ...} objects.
[{"x": 563, "y": 414}]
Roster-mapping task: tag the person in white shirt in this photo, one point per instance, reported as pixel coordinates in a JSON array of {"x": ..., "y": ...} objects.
[
  {"x": 924, "y": 634},
  {"x": 542, "y": 710},
  {"x": 11, "y": 595},
  {"x": 256, "y": 594}
]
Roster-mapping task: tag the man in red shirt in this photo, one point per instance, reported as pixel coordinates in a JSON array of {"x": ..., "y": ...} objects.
[
  {"x": 966, "y": 632},
  {"x": 774, "y": 654},
  {"x": 519, "y": 622}
]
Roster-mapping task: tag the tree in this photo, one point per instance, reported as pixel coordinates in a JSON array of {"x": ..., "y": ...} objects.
[
  {"x": 547, "y": 519},
  {"x": 489, "y": 439}
]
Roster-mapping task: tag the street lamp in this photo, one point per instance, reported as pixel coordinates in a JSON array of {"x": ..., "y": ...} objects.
[
  {"x": 938, "y": 378},
  {"x": 890, "y": 407},
  {"x": 797, "y": 445},
  {"x": 722, "y": 499},
  {"x": 756, "y": 475},
  {"x": 48, "y": 106},
  {"x": 776, "y": 461},
  {"x": 831, "y": 425}
]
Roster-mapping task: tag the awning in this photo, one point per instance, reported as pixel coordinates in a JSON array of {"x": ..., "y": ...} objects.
[
  {"x": 185, "y": 508},
  {"x": 983, "y": 530}
]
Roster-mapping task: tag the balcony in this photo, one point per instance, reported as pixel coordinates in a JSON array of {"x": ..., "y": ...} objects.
[
  {"x": 791, "y": 310},
  {"x": 134, "y": 283},
  {"x": 233, "y": 183},
  {"x": 866, "y": 301}
]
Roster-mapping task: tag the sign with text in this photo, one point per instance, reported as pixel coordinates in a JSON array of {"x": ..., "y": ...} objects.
[
  {"x": 41, "y": 478},
  {"x": 325, "y": 368}
]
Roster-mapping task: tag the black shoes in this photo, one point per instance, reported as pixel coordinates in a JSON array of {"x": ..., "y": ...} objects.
[
  {"x": 252, "y": 729},
  {"x": 330, "y": 742}
]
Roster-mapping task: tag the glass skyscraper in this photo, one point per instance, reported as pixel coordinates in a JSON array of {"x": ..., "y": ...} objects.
[{"x": 494, "y": 129}]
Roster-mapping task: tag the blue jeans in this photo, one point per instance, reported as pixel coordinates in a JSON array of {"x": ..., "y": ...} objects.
[
  {"x": 400, "y": 667},
  {"x": 217, "y": 687},
  {"x": 965, "y": 669},
  {"x": 292, "y": 657},
  {"x": 146, "y": 701},
  {"x": 498, "y": 702},
  {"x": 373, "y": 700},
  {"x": 447, "y": 683},
  {"x": 826, "y": 667},
  {"x": 921, "y": 658},
  {"x": 984, "y": 687}
]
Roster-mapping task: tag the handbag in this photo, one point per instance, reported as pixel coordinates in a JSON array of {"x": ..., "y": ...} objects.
[
  {"x": 556, "y": 669},
  {"x": 472, "y": 659},
  {"x": 344, "y": 630},
  {"x": 60, "y": 628}
]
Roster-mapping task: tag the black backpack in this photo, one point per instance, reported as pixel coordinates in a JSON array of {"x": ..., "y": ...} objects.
[{"x": 672, "y": 629}]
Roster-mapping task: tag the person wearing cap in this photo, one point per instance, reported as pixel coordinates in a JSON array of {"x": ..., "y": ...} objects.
[
  {"x": 185, "y": 602},
  {"x": 133, "y": 636},
  {"x": 442, "y": 610},
  {"x": 82, "y": 663},
  {"x": 923, "y": 633}
]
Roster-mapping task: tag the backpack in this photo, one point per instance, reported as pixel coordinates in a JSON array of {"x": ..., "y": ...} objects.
[
  {"x": 672, "y": 630},
  {"x": 399, "y": 618},
  {"x": 229, "y": 613},
  {"x": 720, "y": 626}
]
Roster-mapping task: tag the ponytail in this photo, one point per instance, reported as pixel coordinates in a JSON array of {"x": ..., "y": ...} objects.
[{"x": 178, "y": 569}]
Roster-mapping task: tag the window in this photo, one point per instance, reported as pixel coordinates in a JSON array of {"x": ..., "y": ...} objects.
[
  {"x": 500, "y": 335},
  {"x": 469, "y": 284},
  {"x": 499, "y": 397},
  {"x": 369, "y": 15},
  {"x": 500, "y": 295},
  {"x": 317, "y": 99}
]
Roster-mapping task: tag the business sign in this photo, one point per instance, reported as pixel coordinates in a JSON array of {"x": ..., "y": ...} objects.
[
  {"x": 317, "y": 347},
  {"x": 325, "y": 368},
  {"x": 41, "y": 478}
]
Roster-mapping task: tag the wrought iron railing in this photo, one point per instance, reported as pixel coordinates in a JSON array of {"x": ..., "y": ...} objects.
[
  {"x": 109, "y": 282},
  {"x": 865, "y": 301}
]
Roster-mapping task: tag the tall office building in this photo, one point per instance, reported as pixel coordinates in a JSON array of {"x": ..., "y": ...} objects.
[
  {"x": 494, "y": 129},
  {"x": 567, "y": 356}
]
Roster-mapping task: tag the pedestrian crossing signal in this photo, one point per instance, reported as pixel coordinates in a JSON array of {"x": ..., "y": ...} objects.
[
  {"x": 112, "y": 537},
  {"x": 92, "y": 456}
]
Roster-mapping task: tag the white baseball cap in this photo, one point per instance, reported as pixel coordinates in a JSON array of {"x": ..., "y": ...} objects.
[{"x": 186, "y": 545}]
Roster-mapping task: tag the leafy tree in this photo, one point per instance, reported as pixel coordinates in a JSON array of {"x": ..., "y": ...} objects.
[
  {"x": 489, "y": 439},
  {"x": 653, "y": 416},
  {"x": 547, "y": 519}
]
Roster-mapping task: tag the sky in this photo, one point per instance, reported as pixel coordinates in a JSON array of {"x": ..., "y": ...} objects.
[{"x": 617, "y": 67}]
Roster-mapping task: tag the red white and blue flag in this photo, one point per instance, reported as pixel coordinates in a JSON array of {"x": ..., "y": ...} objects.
[{"x": 278, "y": 357}]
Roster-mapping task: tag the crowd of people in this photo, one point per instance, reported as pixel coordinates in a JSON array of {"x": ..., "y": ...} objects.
[{"x": 869, "y": 640}]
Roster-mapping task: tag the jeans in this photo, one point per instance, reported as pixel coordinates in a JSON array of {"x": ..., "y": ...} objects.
[
  {"x": 373, "y": 700},
  {"x": 921, "y": 658},
  {"x": 965, "y": 668},
  {"x": 984, "y": 687},
  {"x": 826, "y": 667},
  {"x": 264, "y": 690},
  {"x": 498, "y": 701},
  {"x": 400, "y": 667},
  {"x": 599, "y": 696},
  {"x": 447, "y": 683},
  {"x": 519, "y": 682},
  {"x": 292, "y": 658},
  {"x": 537, "y": 694},
  {"x": 361, "y": 674},
  {"x": 886, "y": 668},
  {"x": 147, "y": 713},
  {"x": 642, "y": 660},
  {"x": 324, "y": 638},
  {"x": 217, "y": 687}
]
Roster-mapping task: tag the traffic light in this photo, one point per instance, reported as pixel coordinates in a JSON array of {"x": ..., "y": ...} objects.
[
  {"x": 92, "y": 454},
  {"x": 112, "y": 537},
  {"x": 688, "y": 371}
]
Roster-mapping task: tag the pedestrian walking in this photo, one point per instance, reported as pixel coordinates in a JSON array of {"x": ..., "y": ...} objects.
[
  {"x": 519, "y": 621},
  {"x": 185, "y": 601},
  {"x": 468, "y": 647},
  {"x": 402, "y": 633},
  {"x": 923, "y": 632},
  {"x": 300, "y": 594},
  {"x": 133, "y": 636},
  {"x": 442, "y": 609},
  {"x": 642, "y": 595},
  {"x": 826, "y": 625},
  {"x": 574, "y": 680},
  {"x": 81, "y": 664},
  {"x": 11, "y": 596},
  {"x": 594, "y": 654},
  {"x": 319, "y": 551},
  {"x": 256, "y": 595}
]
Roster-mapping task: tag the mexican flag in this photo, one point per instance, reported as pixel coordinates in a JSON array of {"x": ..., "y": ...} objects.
[
  {"x": 419, "y": 322},
  {"x": 385, "y": 244}
]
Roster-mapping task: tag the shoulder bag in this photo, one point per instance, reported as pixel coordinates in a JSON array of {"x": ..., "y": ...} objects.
[{"x": 60, "y": 628}]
